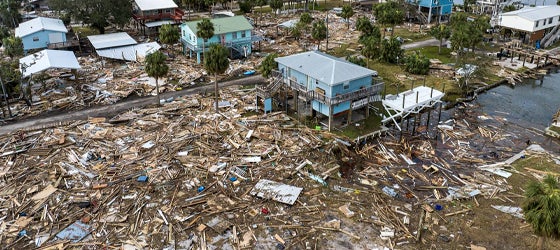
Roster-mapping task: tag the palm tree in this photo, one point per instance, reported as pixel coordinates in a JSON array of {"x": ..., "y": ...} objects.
[
  {"x": 541, "y": 208},
  {"x": 268, "y": 65},
  {"x": 319, "y": 32},
  {"x": 440, "y": 32},
  {"x": 205, "y": 30},
  {"x": 169, "y": 34},
  {"x": 347, "y": 13},
  {"x": 216, "y": 63},
  {"x": 389, "y": 13},
  {"x": 156, "y": 68}
]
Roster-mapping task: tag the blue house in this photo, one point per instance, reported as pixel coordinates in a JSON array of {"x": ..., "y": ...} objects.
[
  {"x": 440, "y": 9},
  {"x": 332, "y": 85},
  {"x": 41, "y": 32},
  {"x": 232, "y": 32}
]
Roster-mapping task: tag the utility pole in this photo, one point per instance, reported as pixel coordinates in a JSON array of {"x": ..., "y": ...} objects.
[{"x": 327, "y": 45}]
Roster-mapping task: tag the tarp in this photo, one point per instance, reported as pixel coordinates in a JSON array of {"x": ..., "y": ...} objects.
[{"x": 47, "y": 59}]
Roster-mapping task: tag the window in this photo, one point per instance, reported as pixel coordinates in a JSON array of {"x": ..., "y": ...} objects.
[
  {"x": 550, "y": 20},
  {"x": 346, "y": 85},
  {"x": 243, "y": 34},
  {"x": 537, "y": 25},
  {"x": 168, "y": 11},
  {"x": 317, "y": 82},
  {"x": 35, "y": 38},
  {"x": 234, "y": 35}
]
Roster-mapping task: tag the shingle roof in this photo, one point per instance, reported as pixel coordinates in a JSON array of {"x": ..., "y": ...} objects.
[
  {"x": 224, "y": 24},
  {"x": 111, "y": 40},
  {"x": 155, "y": 4},
  {"x": 325, "y": 68},
  {"x": 536, "y": 13},
  {"x": 38, "y": 24}
]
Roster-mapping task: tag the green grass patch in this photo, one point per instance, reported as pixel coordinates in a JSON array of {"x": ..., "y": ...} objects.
[
  {"x": 369, "y": 125},
  {"x": 409, "y": 36},
  {"x": 85, "y": 31},
  {"x": 431, "y": 52}
]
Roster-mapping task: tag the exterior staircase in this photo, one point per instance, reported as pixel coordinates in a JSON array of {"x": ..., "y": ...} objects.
[
  {"x": 551, "y": 37},
  {"x": 269, "y": 90}
]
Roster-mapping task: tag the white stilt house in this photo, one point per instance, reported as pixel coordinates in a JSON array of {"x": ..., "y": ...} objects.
[{"x": 410, "y": 102}]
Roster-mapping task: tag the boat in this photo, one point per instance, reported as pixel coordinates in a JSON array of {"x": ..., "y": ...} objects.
[{"x": 249, "y": 72}]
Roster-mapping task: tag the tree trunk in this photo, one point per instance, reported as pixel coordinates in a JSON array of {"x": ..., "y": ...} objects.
[
  {"x": 216, "y": 91},
  {"x": 348, "y": 23},
  {"x": 318, "y": 45},
  {"x": 439, "y": 49},
  {"x": 157, "y": 91},
  {"x": 540, "y": 243}
]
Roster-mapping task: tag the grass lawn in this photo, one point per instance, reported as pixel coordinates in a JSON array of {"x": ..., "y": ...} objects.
[
  {"x": 369, "y": 125},
  {"x": 407, "y": 34},
  {"x": 432, "y": 52},
  {"x": 85, "y": 31}
]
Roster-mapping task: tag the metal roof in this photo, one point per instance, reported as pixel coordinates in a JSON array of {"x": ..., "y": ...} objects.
[
  {"x": 38, "y": 24},
  {"x": 46, "y": 59},
  {"x": 131, "y": 52},
  {"x": 158, "y": 23},
  {"x": 155, "y": 4},
  {"x": 325, "y": 68},
  {"x": 535, "y": 13},
  {"x": 111, "y": 40},
  {"x": 224, "y": 25}
]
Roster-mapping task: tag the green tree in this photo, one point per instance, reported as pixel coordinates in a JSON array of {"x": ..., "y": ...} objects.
[
  {"x": 357, "y": 60},
  {"x": 367, "y": 29},
  {"x": 98, "y": 14},
  {"x": 205, "y": 30},
  {"x": 216, "y": 63},
  {"x": 541, "y": 208},
  {"x": 306, "y": 18},
  {"x": 4, "y": 32},
  {"x": 275, "y": 5},
  {"x": 246, "y": 6},
  {"x": 156, "y": 68},
  {"x": 13, "y": 46},
  {"x": 268, "y": 65},
  {"x": 169, "y": 34},
  {"x": 295, "y": 30},
  {"x": 440, "y": 32},
  {"x": 417, "y": 63},
  {"x": 9, "y": 13},
  {"x": 319, "y": 32},
  {"x": 391, "y": 50},
  {"x": 389, "y": 14},
  {"x": 370, "y": 47},
  {"x": 467, "y": 5},
  {"x": 347, "y": 13},
  {"x": 510, "y": 8}
]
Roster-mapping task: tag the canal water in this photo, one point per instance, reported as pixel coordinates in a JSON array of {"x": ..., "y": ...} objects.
[{"x": 525, "y": 110}]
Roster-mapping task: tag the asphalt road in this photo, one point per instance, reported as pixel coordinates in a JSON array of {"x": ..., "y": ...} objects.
[{"x": 114, "y": 109}]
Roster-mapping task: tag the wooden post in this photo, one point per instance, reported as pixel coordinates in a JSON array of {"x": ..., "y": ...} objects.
[
  {"x": 402, "y": 128},
  {"x": 350, "y": 114},
  {"x": 512, "y": 55},
  {"x": 330, "y": 117},
  {"x": 417, "y": 97},
  {"x": 439, "y": 115},
  {"x": 367, "y": 106},
  {"x": 414, "y": 124},
  {"x": 428, "y": 118},
  {"x": 296, "y": 103},
  {"x": 403, "y": 98},
  {"x": 524, "y": 59}
]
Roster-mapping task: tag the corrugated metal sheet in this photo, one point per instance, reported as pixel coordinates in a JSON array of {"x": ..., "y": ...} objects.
[
  {"x": 38, "y": 24},
  {"x": 75, "y": 232},
  {"x": 111, "y": 40},
  {"x": 325, "y": 68},
  {"x": 155, "y": 4},
  {"x": 46, "y": 59},
  {"x": 130, "y": 53},
  {"x": 535, "y": 13},
  {"x": 223, "y": 25},
  {"x": 277, "y": 191}
]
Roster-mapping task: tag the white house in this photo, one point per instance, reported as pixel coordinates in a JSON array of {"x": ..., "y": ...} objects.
[
  {"x": 534, "y": 24},
  {"x": 40, "y": 32}
]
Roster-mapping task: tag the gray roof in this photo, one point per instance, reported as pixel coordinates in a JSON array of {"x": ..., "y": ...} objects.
[
  {"x": 130, "y": 52},
  {"x": 111, "y": 40},
  {"x": 325, "y": 68},
  {"x": 535, "y": 13},
  {"x": 46, "y": 59},
  {"x": 38, "y": 24}
]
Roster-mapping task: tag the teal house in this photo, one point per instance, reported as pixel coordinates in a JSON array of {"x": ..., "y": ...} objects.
[
  {"x": 41, "y": 32},
  {"x": 332, "y": 85},
  {"x": 439, "y": 10},
  {"x": 235, "y": 33}
]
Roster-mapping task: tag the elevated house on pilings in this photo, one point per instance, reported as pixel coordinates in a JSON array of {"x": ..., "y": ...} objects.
[
  {"x": 234, "y": 33},
  {"x": 409, "y": 103},
  {"x": 538, "y": 26},
  {"x": 433, "y": 10},
  {"x": 333, "y": 86},
  {"x": 152, "y": 14}
]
